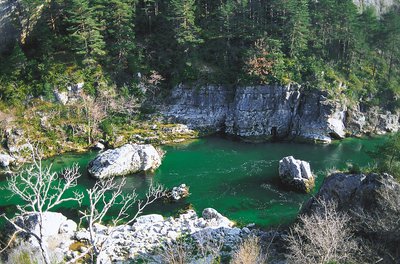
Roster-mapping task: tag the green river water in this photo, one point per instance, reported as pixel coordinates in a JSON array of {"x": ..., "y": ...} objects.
[{"x": 238, "y": 179}]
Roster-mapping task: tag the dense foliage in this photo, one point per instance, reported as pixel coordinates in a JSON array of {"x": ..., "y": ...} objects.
[{"x": 326, "y": 44}]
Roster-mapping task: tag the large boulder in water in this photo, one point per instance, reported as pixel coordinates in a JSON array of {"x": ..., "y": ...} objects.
[
  {"x": 130, "y": 158},
  {"x": 296, "y": 173}
]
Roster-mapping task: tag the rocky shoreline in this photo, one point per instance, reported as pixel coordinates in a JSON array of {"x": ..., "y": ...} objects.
[
  {"x": 369, "y": 201},
  {"x": 145, "y": 239}
]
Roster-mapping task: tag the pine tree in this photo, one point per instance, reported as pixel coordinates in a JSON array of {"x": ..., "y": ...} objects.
[
  {"x": 120, "y": 31},
  {"x": 298, "y": 26},
  {"x": 86, "y": 31},
  {"x": 183, "y": 16}
]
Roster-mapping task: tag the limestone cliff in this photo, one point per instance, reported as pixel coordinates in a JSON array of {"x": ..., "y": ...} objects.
[{"x": 274, "y": 112}]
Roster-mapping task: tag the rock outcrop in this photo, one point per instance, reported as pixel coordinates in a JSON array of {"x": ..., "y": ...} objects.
[
  {"x": 296, "y": 174},
  {"x": 130, "y": 158},
  {"x": 357, "y": 191},
  {"x": 274, "y": 112},
  {"x": 6, "y": 160},
  {"x": 202, "y": 108},
  {"x": 150, "y": 232},
  {"x": 372, "y": 201},
  {"x": 57, "y": 232},
  {"x": 16, "y": 141}
]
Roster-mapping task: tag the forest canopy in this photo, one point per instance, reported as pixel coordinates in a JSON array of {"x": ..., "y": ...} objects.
[{"x": 327, "y": 45}]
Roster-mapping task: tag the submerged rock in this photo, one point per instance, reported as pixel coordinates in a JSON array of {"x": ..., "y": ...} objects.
[
  {"x": 130, "y": 158},
  {"x": 296, "y": 173},
  {"x": 179, "y": 192},
  {"x": 6, "y": 160}
]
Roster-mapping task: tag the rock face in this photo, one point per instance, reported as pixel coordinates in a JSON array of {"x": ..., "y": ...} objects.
[
  {"x": 296, "y": 173},
  {"x": 130, "y": 158},
  {"x": 57, "y": 231},
  {"x": 203, "y": 108},
  {"x": 274, "y": 112},
  {"x": 6, "y": 160}
]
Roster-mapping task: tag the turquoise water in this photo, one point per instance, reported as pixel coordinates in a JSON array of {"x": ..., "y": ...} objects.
[{"x": 238, "y": 179}]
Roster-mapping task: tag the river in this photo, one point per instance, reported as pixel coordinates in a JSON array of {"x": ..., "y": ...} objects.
[{"x": 238, "y": 179}]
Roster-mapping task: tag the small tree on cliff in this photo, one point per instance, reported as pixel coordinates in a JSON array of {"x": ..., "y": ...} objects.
[{"x": 41, "y": 190}]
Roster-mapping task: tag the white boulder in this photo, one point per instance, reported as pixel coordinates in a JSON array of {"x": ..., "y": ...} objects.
[
  {"x": 130, "y": 158},
  {"x": 296, "y": 173},
  {"x": 6, "y": 160}
]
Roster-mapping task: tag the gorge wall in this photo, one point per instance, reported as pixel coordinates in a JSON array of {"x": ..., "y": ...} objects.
[{"x": 274, "y": 112}]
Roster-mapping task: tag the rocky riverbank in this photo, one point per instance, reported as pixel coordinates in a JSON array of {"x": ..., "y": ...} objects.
[
  {"x": 146, "y": 239},
  {"x": 275, "y": 112},
  {"x": 368, "y": 203}
]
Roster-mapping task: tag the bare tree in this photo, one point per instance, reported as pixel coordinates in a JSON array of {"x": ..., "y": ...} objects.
[
  {"x": 322, "y": 237},
  {"x": 203, "y": 247},
  {"x": 179, "y": 251},
  {"x": 41, "y": 190},
  {"x": 104, "y": 195},
  {"x": 249, "y": 252},
  {"x": 95, "y": 111}
]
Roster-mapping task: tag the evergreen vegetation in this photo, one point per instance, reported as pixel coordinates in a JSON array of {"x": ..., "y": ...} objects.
[{"x": 327, "y": 45}]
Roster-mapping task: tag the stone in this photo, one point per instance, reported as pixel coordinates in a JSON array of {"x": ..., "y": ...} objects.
[
  {"x": 212, "y": 214},
  {"x": 371, "y": 200},
  {"x": 151, "y": 218},
  {"x": 68, "y": 227},
  {"x": 16, "y": 141},
  {"x": 98, "y": 146},
  {"x": 130, "y": 158},
  {"x": 178, "y": 193},
  {"x": 82, "y": 235},
  {"x": 203, "y": 109},
  {"x": 352, "y": 191},
  {"x": 61, "y": 97},
  {"x": 51, "y": 223},
  {"x": 296, "y": 173},
  {"x": 6, "y": 160}
]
